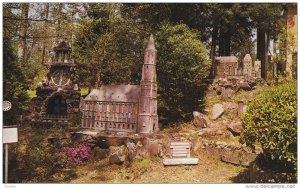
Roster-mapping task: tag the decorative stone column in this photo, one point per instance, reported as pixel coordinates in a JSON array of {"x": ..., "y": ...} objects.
[
  {"x": 257, "y": 68},
  {"x": 247, "y": 66}
]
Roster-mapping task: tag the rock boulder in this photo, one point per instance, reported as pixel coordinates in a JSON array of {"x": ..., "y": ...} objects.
[
  {"x": 118, "y": 155},
  {"x": 217, "y": 111},
  {"x": 235, "y": 128},
  {"x": 200, "y": 120},
  {"x": 244, "y": 85}
]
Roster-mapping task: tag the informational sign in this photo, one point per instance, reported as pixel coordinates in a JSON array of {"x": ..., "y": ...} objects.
[{"x": 10, "y": 135}]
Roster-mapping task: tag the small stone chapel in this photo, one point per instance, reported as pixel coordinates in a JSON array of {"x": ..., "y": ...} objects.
[
  {"x": 228, "y": 66},
  {"x": 125, "y": 108},
  {"x": 57, "y": 95}
]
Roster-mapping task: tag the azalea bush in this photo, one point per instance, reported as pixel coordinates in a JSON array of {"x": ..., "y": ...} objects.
[
  {"x": 271, "y": 121},
  {"x": 78, "y": 155}
]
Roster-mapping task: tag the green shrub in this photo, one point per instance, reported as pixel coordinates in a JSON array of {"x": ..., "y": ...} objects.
[
  {"x": 182, "y": 67},
  {"x": 144, "y": 164},
  {"x": 271, "y": 121}
]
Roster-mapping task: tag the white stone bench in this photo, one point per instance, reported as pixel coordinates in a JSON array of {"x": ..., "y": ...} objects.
[
  {"x": 180, "y": 149},
  {"x": 180, "y": 154}
]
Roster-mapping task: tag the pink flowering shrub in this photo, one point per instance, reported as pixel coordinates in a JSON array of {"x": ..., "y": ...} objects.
[{"x": 78, "y": 154}]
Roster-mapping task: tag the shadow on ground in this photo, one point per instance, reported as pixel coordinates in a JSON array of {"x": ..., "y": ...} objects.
[{"x": 242, "y": 177}]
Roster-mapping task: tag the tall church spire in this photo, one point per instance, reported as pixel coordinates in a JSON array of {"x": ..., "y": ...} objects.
[
  {"x": 151, "y": 43},
  {"x": 148, "y": 119}
]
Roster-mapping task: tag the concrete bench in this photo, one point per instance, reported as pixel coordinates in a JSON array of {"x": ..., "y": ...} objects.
[
  {"x": 180, "y": 154},
  {"x": 180, "y": 149}
]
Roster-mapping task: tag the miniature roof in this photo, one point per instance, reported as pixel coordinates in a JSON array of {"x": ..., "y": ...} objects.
[
  {"x": 115, "y": 93},
  {"x": 62, "y": 45},
  {"x": 247, "y": 58},
  {"x": 150, "y": 44},
  {"x": 225, "y": 59}
]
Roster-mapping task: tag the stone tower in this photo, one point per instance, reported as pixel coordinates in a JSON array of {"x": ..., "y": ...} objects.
[
  {"x": 58, "y": 95},
  {"x": 148, "y": 119},
  {"x": 247, "y": 65}
]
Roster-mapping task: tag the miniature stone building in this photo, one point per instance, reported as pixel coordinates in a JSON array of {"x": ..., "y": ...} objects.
[
  {"x": 58, "y": 95},
  {"x": 247, "y": 65},
  {"x": 226, "y": 66},
  {"x": 257, "y": 68},
  {"x": 126, "y": 108}
]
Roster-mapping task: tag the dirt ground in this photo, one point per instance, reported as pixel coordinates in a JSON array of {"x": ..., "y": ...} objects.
[{"x": 153, "y": 171}]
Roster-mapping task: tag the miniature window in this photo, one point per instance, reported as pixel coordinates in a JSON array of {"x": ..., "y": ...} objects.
[
  {"x": 111, "y": 107},
  {"x": 115, "y": 107},
  {"x": 144, "y": 108},
  {"x": 120, "y": 108},
  {"x": 104, "y": 107}
]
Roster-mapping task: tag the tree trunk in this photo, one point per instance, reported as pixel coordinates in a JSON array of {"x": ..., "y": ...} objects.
[
  {"x": 58, "y": 29},
  {"x": 213, "y": 49},
  {"x": 23, "y": 33},
  {"x": 30, "y": 50},
  {"x": 227, "y": 41},
  {"x": 45, "y": 28},
  {"x": 221, "y": 42},
  {"x": 262, "y": 51}
]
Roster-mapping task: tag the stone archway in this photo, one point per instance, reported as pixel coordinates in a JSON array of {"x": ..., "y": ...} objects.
[{"x": 57, "y": 105}]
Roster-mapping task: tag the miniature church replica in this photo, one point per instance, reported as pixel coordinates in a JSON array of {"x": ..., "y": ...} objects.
[
  {"x": 227, "y": 66},
  {"x": 125, "y": 108},
  {"x": 58, "y": 95}
]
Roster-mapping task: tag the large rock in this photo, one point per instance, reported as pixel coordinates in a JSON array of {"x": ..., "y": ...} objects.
[
  {"x": 200, "y": 120},
  {"x": 244, "y": 85},
  {"x": 217, "y": 111},
  {"x": 117, "y": 158},
  {"x": 149, "y": 147},
  {"x": 235, "y": 128},
  {"x": 237, "y": 157},
  {"x": 118, "y": 155},
  {"x": 155, "y": 148},
  {"x": 227, "y": 93},
  {"x": 132, "y": 150},
  {"x": 230, "y": 105}
]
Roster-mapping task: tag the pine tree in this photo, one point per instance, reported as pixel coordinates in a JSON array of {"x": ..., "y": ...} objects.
[{"x": 14, "y": 84}]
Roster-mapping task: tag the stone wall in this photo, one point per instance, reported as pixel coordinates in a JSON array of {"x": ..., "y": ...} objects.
[{"x": 227, "y": 152}]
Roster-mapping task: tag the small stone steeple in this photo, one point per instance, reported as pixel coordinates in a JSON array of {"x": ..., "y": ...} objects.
[
  {"x": 151, "y": 43},
  {"x": 62, "y": 52},
  {"x": 148, "y": 119},
  {"x": 149, "y": 67},
  {"x": 247, "y": 65}
]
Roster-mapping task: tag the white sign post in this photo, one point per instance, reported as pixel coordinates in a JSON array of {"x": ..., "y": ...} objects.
[{"x": 9, "y": 135}]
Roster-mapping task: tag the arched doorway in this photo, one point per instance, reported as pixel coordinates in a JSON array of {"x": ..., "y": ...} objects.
[{"x": 57, "y": 106}]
